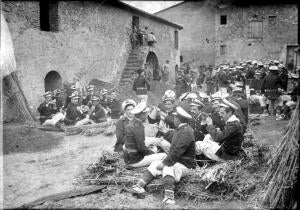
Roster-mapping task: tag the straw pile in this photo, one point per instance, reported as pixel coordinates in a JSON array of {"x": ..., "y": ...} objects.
[
  {"x": 108, "y": 128},
  {"x": 233, "y": 179},
  {"x": 282, "y": 173}
]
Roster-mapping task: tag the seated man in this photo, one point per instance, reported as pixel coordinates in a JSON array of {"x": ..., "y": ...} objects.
[
  {"x": 222, "y": 145},
  {"x": 73, "y": 113},
  {"x": 127, "y": 107},
  {"x": 179, "y": 161},
  {"x": 97, "y": 113},
  {"x": 87, "y": 100},
  {"x": 48, "y": 111},
  {"x": 114, "y": 106},
  {"x": 136, "y": 154},
  {"x": 195, "y": 122}
]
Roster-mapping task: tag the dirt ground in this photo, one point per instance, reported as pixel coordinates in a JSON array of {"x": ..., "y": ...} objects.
[{"x": 50, "y": 165}]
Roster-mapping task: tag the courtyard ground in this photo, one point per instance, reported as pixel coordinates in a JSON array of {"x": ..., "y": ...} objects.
[{"x": 38, "y": 163}]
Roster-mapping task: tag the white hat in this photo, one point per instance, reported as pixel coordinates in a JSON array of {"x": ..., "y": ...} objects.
[
  {"x": 90, "y": 87},
  {"x": 254, "y": 62},
  {"x": 183, "y": 96},
  {"x": 203, "y": 95},
  {"x": 225, "y": 67},
  {"x": 48, "y": 94},
  {"x": 236, "y": 89},
  {"x": 196, "y": 102},
  {"x": 275, "y": 61},
  {"x": 127, "y": 103},
  {"x": 169, "y": 95},
  {"x": 74, "y": 95},
  {"x": 226, "y": 103},
  {"x": 103, "y": 91},
  {"x": 95, "y": 98},
  {"x": 273, "y": 68},
  {"x": 192, "y": 95},
  {"x": 181, "y": 112},
  {"x": 141, "y": 107},
  {"x": 73, "y": 87},
  {"x": 260, "y": 64}
]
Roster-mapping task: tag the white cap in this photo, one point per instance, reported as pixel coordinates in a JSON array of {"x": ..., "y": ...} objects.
[
  {"x": 273, "y": 68},
  {"x": 181, "y": 112},
  {"x": 127, "y": 103},
  {"x": 169, "y": 94},
  {"x": 74, "y": 95},
  {"x": 196, "y": 102},
  {"x": 95, "y": 98},
  {"x": 73, "y": 87},
  {"x": 183, "y": 96},
  {"x": 203, "y": 95},
  {"x": 47, "y": 94},
  {"x": 226, "y": 103},
  {"x": 141, "y": 107},
  {"x": 192, "y": 95}
]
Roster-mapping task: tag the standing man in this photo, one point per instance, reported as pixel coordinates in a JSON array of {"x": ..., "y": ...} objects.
[
  {"x": 141, "y": 85},
  {"x": 179, "y": 161},
  {"x": 165, "y": 72},
  {"x": 114, "y": 105},
  {"x": 209, "y": 81},
  {"x": 136, "y": 154}
]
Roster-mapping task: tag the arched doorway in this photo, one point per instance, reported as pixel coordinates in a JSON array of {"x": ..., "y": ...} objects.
[
  {"x": 152, "y": 65},
  {"x": 53, "y": 81}
]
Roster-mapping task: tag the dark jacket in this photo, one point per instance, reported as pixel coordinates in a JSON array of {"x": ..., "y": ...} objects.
[
  {"x": 140, "y": 82},
  {"x": 98, "y": 115},
  {"x": 230, "y": 138},
  {"x": 182, "y": 86},
  {"x": 116, "y": 108},
  {"x": 221, "y": 79},
  {"x": 199, "y": 130},
  {"x": 46, "y": 111},
  {"x": 59, "y": 102},
  {"x": 270, "y": 82},
  {"x": 72, "y": 115},
  {"x": 87, "y": 100},
  {"x": 135, "y": 140},
  {"x": 182, "y": 148},
  {"x": 120, "y": 130}
]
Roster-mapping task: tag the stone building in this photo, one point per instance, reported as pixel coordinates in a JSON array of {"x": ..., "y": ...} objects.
[
  {"x": 224, "y": 31},
  {"x": 56, "y": 42}
]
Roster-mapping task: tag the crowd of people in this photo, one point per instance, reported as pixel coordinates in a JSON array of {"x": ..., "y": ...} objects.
[
  {"x": 77, "y": 107},
  {"x": 204, "y": 117}
]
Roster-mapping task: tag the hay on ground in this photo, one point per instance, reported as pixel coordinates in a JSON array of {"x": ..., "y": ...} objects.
[{"x": 223, "y": 181}]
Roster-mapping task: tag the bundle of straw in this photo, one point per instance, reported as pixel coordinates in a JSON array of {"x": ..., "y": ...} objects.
[
  {"x": 282, "y": 173},
  {"x": 94, "y": 128},
  {"x": 232, "y": 179}
]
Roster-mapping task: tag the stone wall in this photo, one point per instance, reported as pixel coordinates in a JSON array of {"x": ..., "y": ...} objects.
[
  {"x": 93, "y": 42},
  {"x": 272, "y": 45},
  {"x": 197, "y": 38}
]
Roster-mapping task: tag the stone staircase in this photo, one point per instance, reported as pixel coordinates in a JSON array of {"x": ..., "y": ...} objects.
[{"x": 135, "y": 61}]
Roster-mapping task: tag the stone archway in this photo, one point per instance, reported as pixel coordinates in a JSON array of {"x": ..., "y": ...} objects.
[
  {"x": 152, "y": 65},
  {"x": 53, "y": 81}
]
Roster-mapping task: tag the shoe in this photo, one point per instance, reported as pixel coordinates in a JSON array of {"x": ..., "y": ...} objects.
[
  {"x": 138, "y": 189},
  {"x": 168, "y": 200}
]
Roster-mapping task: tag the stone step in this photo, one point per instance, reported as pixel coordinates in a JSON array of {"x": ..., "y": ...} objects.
[{"x": 131, "y": 68}]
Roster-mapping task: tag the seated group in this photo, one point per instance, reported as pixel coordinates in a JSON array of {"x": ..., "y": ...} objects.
[
  {"x": 194, "y": 125},
  {"x": 78, "y": 110}
]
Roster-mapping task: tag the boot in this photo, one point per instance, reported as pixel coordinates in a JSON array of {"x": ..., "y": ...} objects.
[
  {"x": 169, "y": 197},
  {"x": 140, "y": 186},
  {"x": 169, "y": 183}
]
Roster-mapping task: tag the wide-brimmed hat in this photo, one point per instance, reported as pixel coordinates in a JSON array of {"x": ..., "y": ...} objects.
[
  {"x": 95, "y": 98},
  {"x": 181, "y": 112},
  {"x": 128, "y": 102},
  {"x": 47, "y": 94},
  {"x": 74, "y": 95},
  {"x": 141, "y": 107},
  {"x": 273, "y": 68},
  {"x": 196, "y": 102}
]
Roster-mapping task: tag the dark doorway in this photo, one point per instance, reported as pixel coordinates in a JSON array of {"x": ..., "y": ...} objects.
[
  {"x": 53, "y": 81},
  {"x": 152, "y": 65},
  {"x": 290, "y": 54}
]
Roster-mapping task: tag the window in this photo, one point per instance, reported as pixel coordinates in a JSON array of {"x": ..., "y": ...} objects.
[
  {"x": 49, "y": 15},
  {"x": 176, "y": 39},
  {"x": 255, "y": 30},
  {"x": 223, "y": 20},
  {"x": 181, "y": 58},
  {"x": 223, "y": 49},
  {"x": 272, "y": 20}
]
